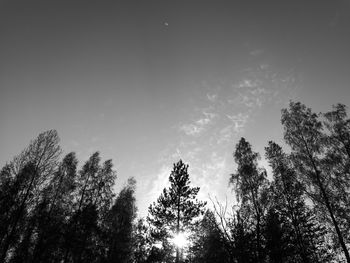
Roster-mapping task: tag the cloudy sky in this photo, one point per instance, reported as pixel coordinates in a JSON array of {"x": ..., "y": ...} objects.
[{"x": 149, "y": 82}]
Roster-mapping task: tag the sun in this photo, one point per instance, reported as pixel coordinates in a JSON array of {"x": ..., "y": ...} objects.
[{"x": 180, "y": 240}]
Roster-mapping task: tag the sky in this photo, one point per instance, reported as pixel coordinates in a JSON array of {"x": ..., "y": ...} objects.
[{"x": 147, "y": 83}]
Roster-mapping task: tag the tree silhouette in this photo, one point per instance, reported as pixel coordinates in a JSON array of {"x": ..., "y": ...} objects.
[
  {"x": 21, "y": 209},
  {"x": 93, "y": 200},
  {"x": 26, "y": 176},
  {"x": 120, "y": 223},
  {"x": 288, "y": 200},
  {"x": 277, "y": 248},
  {"x": 209, "y": 245},
  {"x": 141, "y": 241},
  {"x": 51, "y": 211},
  {"x": 54, "y": 208},
  {"x": 337, "y": 160},
  {"x": 177, "y": 208},
  {"x": 303, "y": 131},
  {"x": 250, "y": 184}
]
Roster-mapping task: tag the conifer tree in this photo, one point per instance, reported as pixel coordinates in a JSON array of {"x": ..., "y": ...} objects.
[
  {"x": 177, "y": 208},
  {"x": 141, "y": 241}
]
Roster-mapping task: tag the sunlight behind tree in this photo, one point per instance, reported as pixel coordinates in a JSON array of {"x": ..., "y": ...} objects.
[{"x": 180, "y": 240}]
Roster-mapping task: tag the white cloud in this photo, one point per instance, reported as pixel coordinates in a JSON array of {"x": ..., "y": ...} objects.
[
  {"x": 225, "y": 109},
  {"x": 203, "y": 121},
  {"x": 250, "y": 101},
  {"x": 212, "y": 97},
  {"x": 222, "y": 109},
  {"x": 191, "y": 129},
  {"x": 209, "y": 115},
  {"x": 248, "y": 83},
  {"x": 200, "y": 125},
  {"x": 239, "y": 120}
]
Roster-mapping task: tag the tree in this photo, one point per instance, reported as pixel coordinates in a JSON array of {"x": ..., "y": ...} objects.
[
  {"x": 9, "y": 199},
  {"x": 250, "y": 184},
  {"x": 209, "y": 245},
  {"x": 141, "y": 242},
  {"x": 304, "y": 133},
  {"x": 177, "y": 208},
  {"x": 49, "y": 211},
  {"x": 27, "y": 174},
  {"x": 277, "y": 247},
  {"x": 55, "y": 208},
  {"x": 92, "y": 202},
  {"x": 337, "y": 159},
  {"x": 43, "y": 153},
  {"x": 120, "y": 224},
  {"x": 289, "y": 201},
  {"x": 17, "y": 218},
  {"x": 244, "y": 238},
  {"x": 338, "y": 125}
]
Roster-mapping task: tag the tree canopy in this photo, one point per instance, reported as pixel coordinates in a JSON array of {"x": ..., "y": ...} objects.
[{"x": 55, "y": 210}]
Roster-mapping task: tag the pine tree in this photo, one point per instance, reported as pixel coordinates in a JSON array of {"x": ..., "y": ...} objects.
[
  {"x": 141, "y": 242},
  {"x": 177, "y": 208}
]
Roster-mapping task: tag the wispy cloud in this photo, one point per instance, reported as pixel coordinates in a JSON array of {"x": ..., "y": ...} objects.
[
  {"x": 206, "y": 140},
  {"x": 239, "y": 120},
  {"x": 248, "y": 83},
  {"x": 201, "y": 124},
  {"x": 191, "y": 129},
  {"x": 212, "y": 97}
]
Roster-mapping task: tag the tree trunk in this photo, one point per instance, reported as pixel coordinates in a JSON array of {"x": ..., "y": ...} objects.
[{"x": 178, "y": 230}]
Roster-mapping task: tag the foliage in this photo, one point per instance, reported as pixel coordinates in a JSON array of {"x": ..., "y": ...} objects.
[
  {"x": 208, "y": 245},
  {"x": 120, "y": 225},
  {"x": 304, "y": 132},
  {"x": 250, "y": 185},
  {"x": 177, "y": 208},
  {"x": 54, "y": 211}
]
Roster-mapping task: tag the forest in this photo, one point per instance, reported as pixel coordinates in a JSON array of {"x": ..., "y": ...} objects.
[{"x": 55, "y": 210}]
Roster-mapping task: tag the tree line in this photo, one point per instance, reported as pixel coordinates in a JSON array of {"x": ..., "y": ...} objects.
[{"x": 52, "y": 210}]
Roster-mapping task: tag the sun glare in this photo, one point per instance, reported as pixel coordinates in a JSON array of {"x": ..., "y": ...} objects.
[{"x": 180, "y": 240}]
